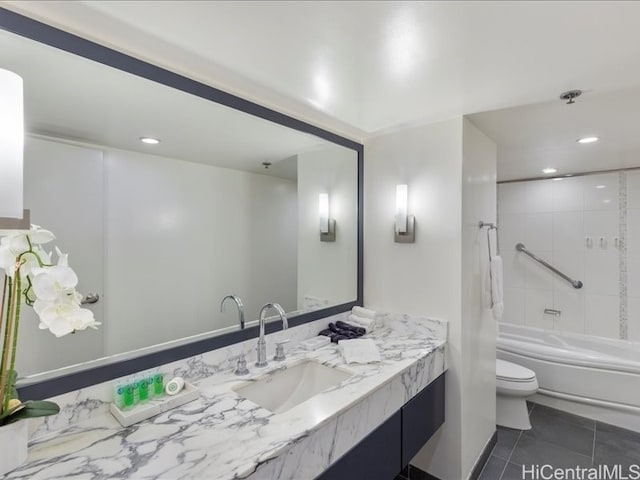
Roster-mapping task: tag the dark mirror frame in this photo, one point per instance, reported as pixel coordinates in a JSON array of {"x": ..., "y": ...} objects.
[{"x": 29, "y": 28}]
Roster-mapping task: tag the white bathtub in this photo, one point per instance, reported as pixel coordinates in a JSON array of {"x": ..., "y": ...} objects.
[{"x": 591, "y": 376}]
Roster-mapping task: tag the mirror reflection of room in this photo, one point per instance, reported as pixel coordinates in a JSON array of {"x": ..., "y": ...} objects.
[{"x": 169, "y": 202}]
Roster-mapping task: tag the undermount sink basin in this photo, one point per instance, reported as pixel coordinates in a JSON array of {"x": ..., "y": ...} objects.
[{"x": 284, "y": 389}]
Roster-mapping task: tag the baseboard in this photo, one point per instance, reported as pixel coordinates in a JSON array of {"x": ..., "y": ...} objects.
[
  {"x": 484, "y": 456},
  {"x": 414, "y": 473}
]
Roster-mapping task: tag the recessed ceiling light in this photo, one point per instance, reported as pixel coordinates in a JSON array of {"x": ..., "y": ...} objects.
[
  {"x": 549, "y": 170},
  {"x": 601, "y": 186},
  {"x": 149, "y": 140},
  {"x": 588, "y": 140},
  {"x": 557, "y": 179}
]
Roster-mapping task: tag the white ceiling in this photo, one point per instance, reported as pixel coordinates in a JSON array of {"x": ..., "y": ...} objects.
[
  {"x": 365, "y": 67},
  {"x": 534, "y": 137},
  {"x": 71, "y": 98}
]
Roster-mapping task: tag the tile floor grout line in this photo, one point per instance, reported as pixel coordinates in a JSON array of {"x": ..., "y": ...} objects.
[
  {"x": 593, "y": 450},
  {"x": 513, "y": 449}
]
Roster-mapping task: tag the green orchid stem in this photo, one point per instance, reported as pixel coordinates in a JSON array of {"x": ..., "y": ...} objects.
[
  {"x": 3, "y": 321},
  {"x": 6, "y": 307},
  {"x": 5, "y": 388},
  {"x": 14, "y": 347}
]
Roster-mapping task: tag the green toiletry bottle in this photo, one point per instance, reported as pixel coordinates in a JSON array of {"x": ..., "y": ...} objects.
[
  {"x": 136, "y": 390},
  {"x": 118, "y": 394},
  {"x": 150, "y": 388},
  {"x": 143, "y": 389},
  {"x": 128, "y": 396},
  {"x": 158, "y": 384}
]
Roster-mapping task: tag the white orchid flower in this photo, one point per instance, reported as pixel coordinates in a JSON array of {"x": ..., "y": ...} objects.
[
  {"x": 15, "y": 243},
  {"x": 7, "y": 259},
  {"x": 40, "y": 236},
  {"x": 63, "y": 258},
  {"x": 53, "y": 288},
  {"x": 63, "y": 317},
  {"x": 31, "y": 263},
  {"x": 53, "y": 282}
]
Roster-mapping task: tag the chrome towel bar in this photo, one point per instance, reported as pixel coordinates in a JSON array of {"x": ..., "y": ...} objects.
[{"x": 574, "y": 283}]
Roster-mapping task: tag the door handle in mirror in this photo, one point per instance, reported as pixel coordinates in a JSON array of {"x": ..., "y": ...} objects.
[{"x": 90, "y": 298}]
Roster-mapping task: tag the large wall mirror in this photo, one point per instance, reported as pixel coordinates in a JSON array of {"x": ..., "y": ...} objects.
[{"x": 226, "y": 203}]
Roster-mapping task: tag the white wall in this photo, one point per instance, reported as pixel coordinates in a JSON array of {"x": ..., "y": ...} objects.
[
  {"x": 174, "y": 238},
  {"x": 327, "y": 270},
  {"x": 192, "y": 233},
  {"x": 433, "y": 276},
  {"x": 478, "y": 326},
  {"x": 63, "y": 189},
  {"x": 553, "y": 219}
]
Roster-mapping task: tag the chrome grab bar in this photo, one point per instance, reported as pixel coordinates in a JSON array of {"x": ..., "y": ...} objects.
[{"x": 574, "y": 283}]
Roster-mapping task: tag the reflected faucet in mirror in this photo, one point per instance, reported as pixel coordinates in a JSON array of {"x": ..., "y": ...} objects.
[
  {"x": 240, "y": 306},
  {"x": 262, "y": 344}
]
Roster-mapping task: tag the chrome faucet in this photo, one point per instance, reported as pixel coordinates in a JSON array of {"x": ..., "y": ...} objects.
[
  {"x": 262, "y": 344},
  {"x": 240, "y": 306}
]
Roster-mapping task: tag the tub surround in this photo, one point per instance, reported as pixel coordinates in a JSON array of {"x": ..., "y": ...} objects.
[{"x": 225, "y": 434}]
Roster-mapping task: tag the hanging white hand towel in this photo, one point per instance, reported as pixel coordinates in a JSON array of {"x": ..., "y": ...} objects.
[{"x": 497, "y": 286}]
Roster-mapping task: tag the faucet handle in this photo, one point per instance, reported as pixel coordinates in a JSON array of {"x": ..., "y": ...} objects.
[
  {"x": 241, "y": 364},
  {"x": 280, "y": 350}
]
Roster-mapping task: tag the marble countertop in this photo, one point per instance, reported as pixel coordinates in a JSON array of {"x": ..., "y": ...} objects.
[{"x": 224, "y": 436}]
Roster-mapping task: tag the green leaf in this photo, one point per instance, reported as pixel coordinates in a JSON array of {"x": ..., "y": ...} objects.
[{"x": 32, "y": 409}]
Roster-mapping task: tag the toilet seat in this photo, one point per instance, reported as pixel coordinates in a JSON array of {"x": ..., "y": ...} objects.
[{"x": 510, "y": 372}]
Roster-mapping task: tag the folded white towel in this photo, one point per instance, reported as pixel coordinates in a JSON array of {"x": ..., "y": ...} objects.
[
  {"x": 494, "y": 287},
  {"x": 359, "y": 351},
  {"x": 360, "y": 322},
  {"x": 364, "y": 312},
  {"x": 365, "y": 323}
]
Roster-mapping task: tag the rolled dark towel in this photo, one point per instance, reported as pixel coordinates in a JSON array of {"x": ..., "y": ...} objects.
[
  {"x": 340, "y": 331},
  {"x": 335, "y": 337},
  {"x": 345, "y": 326}
]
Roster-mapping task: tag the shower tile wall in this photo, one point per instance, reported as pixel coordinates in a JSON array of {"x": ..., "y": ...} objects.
[
  {"x": 633, "y": 254},
  {"x": 554, "y": 219}
]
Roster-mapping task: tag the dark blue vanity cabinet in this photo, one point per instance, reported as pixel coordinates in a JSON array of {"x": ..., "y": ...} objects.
[{"x": 388, "y": 449}]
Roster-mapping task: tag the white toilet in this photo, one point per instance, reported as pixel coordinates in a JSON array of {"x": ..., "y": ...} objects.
[{"x": 513, "y": 384}]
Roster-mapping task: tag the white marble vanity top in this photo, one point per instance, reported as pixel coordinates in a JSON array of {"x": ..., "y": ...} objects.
[{"x": 224, "y": 436}]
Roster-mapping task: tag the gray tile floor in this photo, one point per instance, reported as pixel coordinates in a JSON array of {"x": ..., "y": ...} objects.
[{"x": 561, "y": 440}]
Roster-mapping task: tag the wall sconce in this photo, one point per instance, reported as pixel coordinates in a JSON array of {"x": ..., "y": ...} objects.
[
  {"x": 12, "y": 215},
  {"x": 405, "y": 224},
  {"x": 327, "y": 225}
]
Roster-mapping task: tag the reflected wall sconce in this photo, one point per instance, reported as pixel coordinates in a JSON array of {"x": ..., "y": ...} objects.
[
  {"x": 12, "y": 215},
  {"x": 405, "y": 224},
  {"x": 327, "y": 225}
]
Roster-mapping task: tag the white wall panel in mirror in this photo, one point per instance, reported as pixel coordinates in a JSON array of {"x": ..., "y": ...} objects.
[{"x": 162, "y": 233}]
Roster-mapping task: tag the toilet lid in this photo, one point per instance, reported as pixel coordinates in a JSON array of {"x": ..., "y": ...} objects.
[{"x": 512, "y": 372}]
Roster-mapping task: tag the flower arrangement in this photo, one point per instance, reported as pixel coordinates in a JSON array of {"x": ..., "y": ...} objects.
[{"x": 31, "y": 278}]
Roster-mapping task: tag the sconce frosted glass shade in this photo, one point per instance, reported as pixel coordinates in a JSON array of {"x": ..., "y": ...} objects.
[
  {"x": 323, "y": 212},
  {"x": 11, "y": 144},
  {"x": 402, "y": 195}
]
